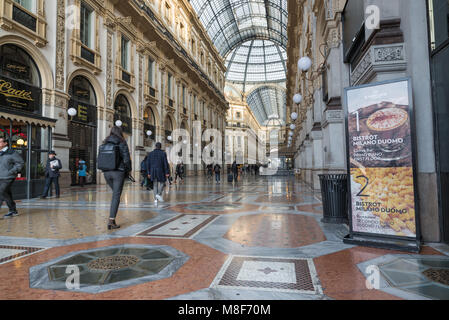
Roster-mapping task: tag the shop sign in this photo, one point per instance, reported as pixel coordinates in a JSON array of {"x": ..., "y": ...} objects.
[
  {"x": 17, "y": 95},
  {"x": 85, "y": 113},
  {"x": 16, "y": 68},
  {"x": 380, "y": 140}
]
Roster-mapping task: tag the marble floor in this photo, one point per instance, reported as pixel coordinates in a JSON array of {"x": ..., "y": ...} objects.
[{"x": 258, "y": 239}]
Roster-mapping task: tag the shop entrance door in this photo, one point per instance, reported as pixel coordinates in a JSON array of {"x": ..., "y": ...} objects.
[{"x": 84, "y": 147}]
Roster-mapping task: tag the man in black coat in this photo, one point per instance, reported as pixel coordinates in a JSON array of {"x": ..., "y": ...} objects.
[
  {"x": 52, "y": 174},
  {"x": 158, "y": 171}
]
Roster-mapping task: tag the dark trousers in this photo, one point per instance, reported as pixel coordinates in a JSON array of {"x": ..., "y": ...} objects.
[
  {"x": 236, "y": 175},
  {"x": 48, "y": 182},
  {"x": 82, "y": 181},
  {"x": 115, "y": 180},
  {"x": 217, "y": 176},
  {"x": 6, "y": 194}
]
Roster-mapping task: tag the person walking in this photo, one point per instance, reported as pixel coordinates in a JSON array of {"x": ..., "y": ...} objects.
[
  {"x": 11, "y": 163},
  {"x": 143, "y": 173},
  {"x": 158, "y": 171},
  {"x": 180, "y": 172},
  {"x": 217, "y": 170},
  {"x": 52, "y": 174},
  {"x": 82, "y": 173},
  {"x": 235, "y": 170},
  {"x": 209, "y": 172},
  {"x": 115, "y": 169}
]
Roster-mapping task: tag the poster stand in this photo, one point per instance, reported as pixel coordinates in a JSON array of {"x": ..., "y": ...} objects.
[{"x": 381, "y": 149}]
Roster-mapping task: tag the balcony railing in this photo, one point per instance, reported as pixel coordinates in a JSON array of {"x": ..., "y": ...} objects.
[
  {"x": 126, "y": 76},
  {"x": 24, "y": 18},
  {"x": 87, "y": 54},
  {"x": 15, "y": 17}
]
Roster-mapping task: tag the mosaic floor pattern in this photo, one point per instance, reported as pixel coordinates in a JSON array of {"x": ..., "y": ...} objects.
[{"x": 258, "y": 239}]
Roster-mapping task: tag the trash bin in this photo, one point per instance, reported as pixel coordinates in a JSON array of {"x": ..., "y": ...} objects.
[{"x": 334, "y": 192}]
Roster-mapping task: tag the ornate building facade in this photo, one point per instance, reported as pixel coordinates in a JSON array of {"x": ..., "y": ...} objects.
[
  {"x": 148, "y": 63},
  {"x": 346, "y": 51}
]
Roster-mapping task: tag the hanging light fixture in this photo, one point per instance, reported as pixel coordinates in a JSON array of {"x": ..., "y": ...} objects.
[
  {"x": 291, "y": 133},
  {"x": 149, "y": 133},
  {"x": 294, "y": 116},
  {"x": 118, "y": 123},
  {"x": 304, "y": 63},
  {"x": 297, "y": 98},
  {"x": 293, "y": 126},
  {"x": 72, "y": 112}
]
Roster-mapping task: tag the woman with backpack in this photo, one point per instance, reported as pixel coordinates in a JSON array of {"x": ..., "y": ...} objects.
[{"x": 115, "y": 162}]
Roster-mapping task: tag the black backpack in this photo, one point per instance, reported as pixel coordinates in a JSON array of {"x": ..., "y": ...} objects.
[{"x": 109, "y": 157}]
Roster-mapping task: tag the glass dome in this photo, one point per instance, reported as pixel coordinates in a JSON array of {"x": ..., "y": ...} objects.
[{"x": 256, "y": 61}]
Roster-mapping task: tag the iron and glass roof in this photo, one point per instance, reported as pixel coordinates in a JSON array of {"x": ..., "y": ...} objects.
[
  {"x": 251, "y": 35},
  {"x": 256, "y": 61},
  {"x": 233, "y": 22},
  {"x": 268, "y": 102}
]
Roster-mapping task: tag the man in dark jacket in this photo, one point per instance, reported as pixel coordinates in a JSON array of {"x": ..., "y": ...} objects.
[
  {"x": 235, "y": 170},
  {"x": 179, "y": 172},
  {"x": 158, "y": 171},
  {"x": 52, "y": 174},
  {"x": 11, "y": 163}
]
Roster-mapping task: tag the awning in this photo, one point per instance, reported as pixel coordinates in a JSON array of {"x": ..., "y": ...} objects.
[{"x": 39, "y": 121}]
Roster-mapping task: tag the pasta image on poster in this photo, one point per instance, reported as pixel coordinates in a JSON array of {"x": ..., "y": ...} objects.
[{"x": 383, "y": 201}]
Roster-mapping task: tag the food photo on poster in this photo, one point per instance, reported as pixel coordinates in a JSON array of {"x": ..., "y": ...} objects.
[{"x": 381, "y": 160}]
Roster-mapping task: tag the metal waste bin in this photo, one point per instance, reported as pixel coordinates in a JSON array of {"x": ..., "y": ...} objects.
[{"x": 334, "y": 192}]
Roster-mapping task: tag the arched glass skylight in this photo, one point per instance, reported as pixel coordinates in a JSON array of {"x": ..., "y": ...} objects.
[
  {"x": 233, "y": 22},
  {"x": 267, "y": 103},
  {"x": 256, "y": 61}
]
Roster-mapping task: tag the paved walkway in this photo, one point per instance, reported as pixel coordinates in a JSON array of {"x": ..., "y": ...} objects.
[{"x": 260, "y": 238}]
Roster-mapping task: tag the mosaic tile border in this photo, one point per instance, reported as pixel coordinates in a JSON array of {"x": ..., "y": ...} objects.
[
  {"x": 190, "y": 234},
  {"x": 307, "y": 281},
  {"x": 40, "y": 278},
  {"x": 27, "y": 251}
]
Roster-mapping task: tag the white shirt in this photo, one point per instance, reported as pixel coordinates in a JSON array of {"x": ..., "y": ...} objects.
[{"x": 4, "y": 149}]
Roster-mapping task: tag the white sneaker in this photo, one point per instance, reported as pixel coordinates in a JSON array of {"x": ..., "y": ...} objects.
[
  {"x": 158, "y": 197},
  {"x": 155, "y": 201}
]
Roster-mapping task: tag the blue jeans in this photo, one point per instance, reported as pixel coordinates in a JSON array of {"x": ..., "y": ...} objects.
[
  {"x": 217, "y": 176},
  {"x": 48, "y": 182}
]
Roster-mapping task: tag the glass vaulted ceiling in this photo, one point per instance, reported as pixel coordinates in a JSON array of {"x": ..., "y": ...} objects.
[
  {"x": 252, "y": 36},
  {"x": 267, "y": 103},
  {"x": 256, "y": 61},
  {"x": 232, "y": 22}
]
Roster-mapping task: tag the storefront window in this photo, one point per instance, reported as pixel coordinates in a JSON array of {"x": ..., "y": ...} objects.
[
  {"x": 439, "y": 22},
  {"x": 39, "y": 138},
  {"x": 82, "y": 129}
]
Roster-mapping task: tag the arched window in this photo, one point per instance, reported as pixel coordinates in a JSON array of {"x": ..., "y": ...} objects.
[
  {"x": 84, "y": 100},
  {"x": 149, "y": 125},
  {"x": 123, "y": 113},
  {"x": 17, "y": 64},
  {"x": 19, "y": 72},
  {"x": 168, "y": 125}
]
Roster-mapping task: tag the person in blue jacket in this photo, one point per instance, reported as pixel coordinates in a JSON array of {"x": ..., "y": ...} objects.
[{"x": 82, "y": 172}]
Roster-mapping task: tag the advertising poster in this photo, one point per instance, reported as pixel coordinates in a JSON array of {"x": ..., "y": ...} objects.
[{"x": 381, "y": 160}]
